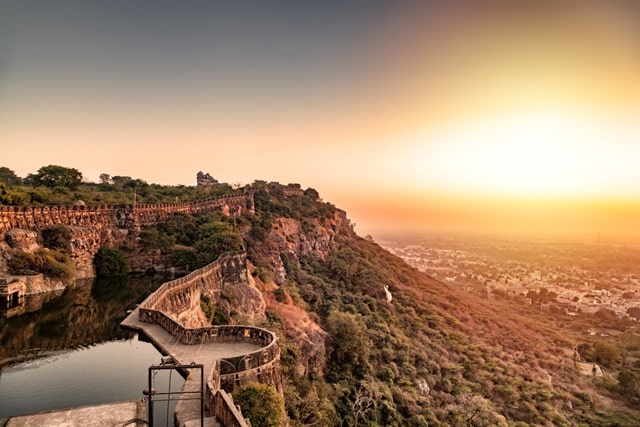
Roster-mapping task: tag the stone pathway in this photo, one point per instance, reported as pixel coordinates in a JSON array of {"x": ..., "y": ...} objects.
[{"x": 205, "y": 354}]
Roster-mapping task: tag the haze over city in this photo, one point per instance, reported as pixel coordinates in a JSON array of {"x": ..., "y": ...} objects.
[{"x": 488, "y": 116}]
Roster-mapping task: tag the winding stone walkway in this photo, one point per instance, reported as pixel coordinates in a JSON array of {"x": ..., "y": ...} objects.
[{"x": 205, "y": 354}]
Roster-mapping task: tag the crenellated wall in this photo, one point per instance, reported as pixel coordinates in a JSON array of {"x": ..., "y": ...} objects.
[
  {"x": 164, "y": 306},
  {"x": 176, "y": 296},
  {"x": 109, "y": 225},
  {"x": 167, "y": 303},
  {"x": 40, "y": 217},
  {"x": 130, "y": 217}
]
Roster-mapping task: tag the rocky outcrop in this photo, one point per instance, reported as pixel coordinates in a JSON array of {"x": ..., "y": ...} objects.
[
  {"x": 25, "y": 240},
  {"x": 85, "y": 243},
  {"x": 289, "y": 239},
  {"x": 243, "y": 303}
]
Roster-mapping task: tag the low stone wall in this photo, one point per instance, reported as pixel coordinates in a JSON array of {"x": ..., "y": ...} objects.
[
  {"x": 163, "y": 307},
  {"x": 28, "y": 285},
  {"x": 262, "y": 365},
  {"x": 220, "y": 404}
]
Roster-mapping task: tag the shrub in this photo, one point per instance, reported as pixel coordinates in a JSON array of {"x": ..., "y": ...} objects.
[
  {"x": 24, "y": 263},
  {"x": 51, "y": 263},
  {"x": 186, "y": 258},
  {"x": 151, "y": 238},
  {"x": 281, "y": 295},
  {"x": 111, "y": 262},
  {"x": 57, "y": 237},
  {"x": 57, "y": 264},
  {"x": 212, "y": 311},
  {"x": 262, "y": 404},
  {"x": 263, "y": 274}
]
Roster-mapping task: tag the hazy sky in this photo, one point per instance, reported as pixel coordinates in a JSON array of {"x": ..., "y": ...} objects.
[{"x": 479, "y": 115}]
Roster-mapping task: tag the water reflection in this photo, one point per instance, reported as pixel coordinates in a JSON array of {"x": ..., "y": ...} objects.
[
  {"x": 67, "y": 349},
  {"x": 85, "y": 313}
]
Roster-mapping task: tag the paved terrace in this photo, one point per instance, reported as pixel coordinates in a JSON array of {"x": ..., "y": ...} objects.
[{"x": 206, "y": 354}]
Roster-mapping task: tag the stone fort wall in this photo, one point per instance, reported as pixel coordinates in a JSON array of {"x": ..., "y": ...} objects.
[
  {"x": 164, "y": 306},
  {"x": 109, "y": 225},
  {"x": 130, "y": 217}
]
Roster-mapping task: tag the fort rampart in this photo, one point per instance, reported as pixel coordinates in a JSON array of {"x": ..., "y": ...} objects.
[
  {"x": 110, "y": 225},
  {"x": 164, "y": 306},
  {"x": 131, "y": 217}
]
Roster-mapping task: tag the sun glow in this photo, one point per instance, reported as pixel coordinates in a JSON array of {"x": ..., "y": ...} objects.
[{"x": 532, "y": 154}]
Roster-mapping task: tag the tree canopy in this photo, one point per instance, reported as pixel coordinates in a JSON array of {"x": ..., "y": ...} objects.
[
  {"x": 9, "y": 177},
  {"x": 57, "y": 176},
  {"x": 262, "y": 404}
]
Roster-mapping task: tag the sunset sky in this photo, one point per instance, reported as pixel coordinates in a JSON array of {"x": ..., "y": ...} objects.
[{"x": 492, "y": 116}]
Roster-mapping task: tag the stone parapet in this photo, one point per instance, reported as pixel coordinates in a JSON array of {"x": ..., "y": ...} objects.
[
  {"x": 164, "y": 306},
  {"x": 221, "y": 404},
  {"x": 130, "y": 217}
]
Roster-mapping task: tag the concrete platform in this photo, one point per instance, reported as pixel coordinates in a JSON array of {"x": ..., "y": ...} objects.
[
  {"x": 206, "y": 354},
  {"x": 106, "y": 415}
]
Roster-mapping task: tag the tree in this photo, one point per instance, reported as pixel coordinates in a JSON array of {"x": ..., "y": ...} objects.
[
  {"x": 474, "y": 410},
  {"x": 629, "y": 383},
  {"x": 57, "y": 237},
  {"x": 110, "y": 262},
  {"x": 119, "y": 181},
  {"x": 312, "y": 193},
  {"x": 260, "y": 403},
  {"x": 105, "y": 178},
  {"x": 605, "y": 354},
  {"x": 348, "y": 344},
  {"x": 363, "y": 404},
  {"x": 57, "y": 176},
  {"x": 9, "y": 177}
]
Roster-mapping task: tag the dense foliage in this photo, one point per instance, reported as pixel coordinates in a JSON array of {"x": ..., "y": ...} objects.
[
  {"x": 57, "y": 237},
  {"x": 9, "y": 177},
  {"x": 111, "y": 262},
  {"x": 52, "y": 263},
  {"x": 58, "y": 185},
  {"x": 56, "y": 176},
  {"x": 193, "y": 241},
  {"x": 261, "y": 404},
  {"x": 436, "y": 355}
]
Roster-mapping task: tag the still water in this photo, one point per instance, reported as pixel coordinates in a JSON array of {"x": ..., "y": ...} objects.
[{"x": 67, "y": 349}]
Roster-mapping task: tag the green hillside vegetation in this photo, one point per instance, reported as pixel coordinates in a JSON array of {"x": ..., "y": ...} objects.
[
  {"x": 58, "y": 185},
  {"x": 433, "y": 356}
]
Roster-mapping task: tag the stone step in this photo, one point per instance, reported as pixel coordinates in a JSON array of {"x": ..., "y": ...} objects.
[{"x": 208, "y": 422}]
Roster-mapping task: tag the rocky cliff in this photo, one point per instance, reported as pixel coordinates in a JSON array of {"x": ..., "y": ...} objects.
[{"x": 287, "y": 242}]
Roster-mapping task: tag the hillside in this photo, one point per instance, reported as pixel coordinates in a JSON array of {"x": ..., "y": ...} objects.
[
  {"x": 434, "y": 355},
  {"x": 426, "y": 353}
]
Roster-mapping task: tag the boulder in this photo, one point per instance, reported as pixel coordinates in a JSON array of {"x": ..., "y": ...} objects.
[{"x": 26, "y": 240}]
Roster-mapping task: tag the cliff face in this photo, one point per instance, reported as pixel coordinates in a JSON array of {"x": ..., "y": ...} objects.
[
  {"x": 85, "y": 243},
  {"x": 288, "y": 241}
]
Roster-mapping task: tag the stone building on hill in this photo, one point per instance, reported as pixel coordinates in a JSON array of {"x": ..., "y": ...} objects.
[{"x": 205, "y": 180}]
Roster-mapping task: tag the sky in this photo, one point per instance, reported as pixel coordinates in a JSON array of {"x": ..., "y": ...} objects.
[{"x": 484, "y": 116}]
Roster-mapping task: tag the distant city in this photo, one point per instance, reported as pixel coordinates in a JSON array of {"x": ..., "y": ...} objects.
[{"x": 556, "y": 275}]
